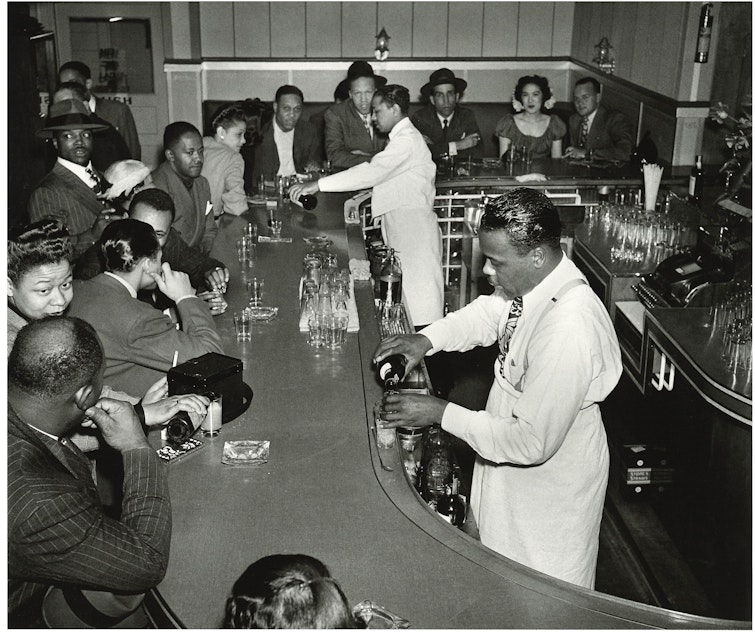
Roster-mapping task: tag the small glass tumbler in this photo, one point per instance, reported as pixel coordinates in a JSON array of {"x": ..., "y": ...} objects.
[
  {"x": 386, "y": 437},
  {"x": 337, "y": 325},
  {"x": 251, "y": 232},
  {"x": 254, "y": 286},
  {"x": 276, "y": 226},
  {"x": 316, "y": 323},
  {"x": 243, "y": 322},
  {"x": 214, "y": 418},
  {"x": 246, "y": 251}
]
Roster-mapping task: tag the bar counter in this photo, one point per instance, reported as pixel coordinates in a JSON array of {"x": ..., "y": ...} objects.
[{"x": 324, "y": 492}]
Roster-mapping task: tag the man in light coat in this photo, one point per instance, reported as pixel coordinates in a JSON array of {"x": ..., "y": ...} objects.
[
  {"x": 541, "y": 470},
  {"x": 402, "y": 178}
]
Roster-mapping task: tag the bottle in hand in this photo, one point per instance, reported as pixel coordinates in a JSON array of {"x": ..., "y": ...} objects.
[
  {"x": 179, "y": 429},
  {"x": 308, "y": 201},
  {"x": 390, "y": 279},
  {"x": 391, "y": 370}
]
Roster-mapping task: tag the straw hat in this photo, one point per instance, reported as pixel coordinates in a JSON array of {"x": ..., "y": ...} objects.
[
  {"x": 68, "y": 114},
  {"x": 124, "y": 176}
]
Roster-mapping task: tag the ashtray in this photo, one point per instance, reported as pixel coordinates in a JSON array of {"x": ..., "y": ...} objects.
[
  {"x": 261, "y": 313},
  {"x": 376, "y": 617},
  {"x": 491, "y": 162},
  {"x": 318, "y": 241},
  {"x": 245, "y": 452}
]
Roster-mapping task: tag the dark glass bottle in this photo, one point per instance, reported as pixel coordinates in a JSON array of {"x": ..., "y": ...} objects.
[
  {"x": 392, "y": 369},
  {"x": 704, "y": 32},
  {"x": 308, "y": 201},
  {"x": 696, "y": 180},
  {"x": 437, "y": 465},
  {"x": 390, "y": 279},
  {"x": 450, "y": 507},
  {"x": 179, "y": 429}
]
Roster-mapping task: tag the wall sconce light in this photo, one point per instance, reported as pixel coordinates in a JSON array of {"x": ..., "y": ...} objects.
[
  {"x": 381, "y": 45},
  {"x": 603, "y": 57}
]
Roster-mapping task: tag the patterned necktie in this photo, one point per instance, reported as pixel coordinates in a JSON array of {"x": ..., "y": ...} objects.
[
  {"x": 514, "y": 313},
  {"x": 367, "y": 124},
  {"x": 583, "y": 132},
  {"x": 445, "y": 125},
  {"x": 99, "y": 183}
]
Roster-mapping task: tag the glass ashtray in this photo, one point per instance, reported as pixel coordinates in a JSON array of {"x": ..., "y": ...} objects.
[
  {"x": 491, "y": 162},
  {"x": 376, "y": 617},
  {"x": 318, "y": 241},
  {"x": 261, "y": 313}
]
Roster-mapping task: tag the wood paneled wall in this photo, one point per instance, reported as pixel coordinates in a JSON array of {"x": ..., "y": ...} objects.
[{"x": 346, "y": 30}]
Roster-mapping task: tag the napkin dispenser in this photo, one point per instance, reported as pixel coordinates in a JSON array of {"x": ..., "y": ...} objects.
[{"x": 212, "y": 372}]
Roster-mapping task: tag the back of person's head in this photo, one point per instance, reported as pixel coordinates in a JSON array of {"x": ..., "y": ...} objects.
[
  {"x": 228, "y": 115},
  {"x": 153, "y": 198},
  {"x": 288, "y": 90},
  {"x": 43, "y": 242},
  {"x": 78, "y": 90},
  {"x": 80, "y": 68},
  {"x": 527, "y": 216},
  {"x": 54, "y": 357},
  {"x": 174, "y": 131},
  {"x": 393, "y": 94},
  {"x": 287, "y": 592},
  {"x": 589, "y": 81},
  {"x": 125, "y": 242}
]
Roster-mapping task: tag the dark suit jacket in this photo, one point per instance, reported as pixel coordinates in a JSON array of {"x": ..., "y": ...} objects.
[
  {"x": 64, "y": 196},
  {"x": 610, "y": 136},
  {"x": 139, "y": 340},
  {"x": 119, "y": 114},
  {"x": 463, "y": 122},
  {"x": 306, "y": 149},
  {"x": 344, "y": 132},
  {"x": 58, "y": 532},
  {"x": 176, "y": 252}
]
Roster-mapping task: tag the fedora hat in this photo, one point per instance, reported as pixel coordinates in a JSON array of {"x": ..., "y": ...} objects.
[
  {"x": 71, "y": 607},
  {"x": 68, "y": 114},
  {"x": 443, "y": 76},
  {"x": 364, "y": 69}
]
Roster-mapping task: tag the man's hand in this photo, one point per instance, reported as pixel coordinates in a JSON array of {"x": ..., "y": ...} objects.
[
  {"x": 297, "y": 190},
  {"x": 312, "y": 166},
  {"x": 163, "y": 410},
  {"x": 412, "y": 410},
  {"x": 575, "y": 152},
  {"x": 413, "y": 347},
  {"x": 158, "y": 390},
  {"x": 173, "y": 284},
  {"x": 118, "y": 424},
  {"x": 468, "y": 142},
  {"x": 217, "y": 279}
]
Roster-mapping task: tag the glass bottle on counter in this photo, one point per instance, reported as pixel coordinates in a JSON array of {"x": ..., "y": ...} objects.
[
  {"x": 696, "y": 181},
  {"x": 437, "y": 466},
  {"x": 450, "y": 507},
  {"x": 390, "y": 279}
]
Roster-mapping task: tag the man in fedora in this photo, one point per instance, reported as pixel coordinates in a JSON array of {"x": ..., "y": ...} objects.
[
  {"x": 68, "y": 561},
  {"x": 115, "y": 112},
  {"x": 71, "y": 191},
  {"x": 350, "y": 138},
  {"x": 447, "y": 127}
]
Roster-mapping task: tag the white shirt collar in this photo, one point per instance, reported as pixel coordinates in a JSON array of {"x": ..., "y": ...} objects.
[
  {"x": 92, "y": 103},
  {"x": 549, "y": 285},
  {"x": 278, "y": 129},
  {"x": 55, "y": 438},
  {"x": 80, "y": 171},
  {"x": 397, "y": 128},
  {"x": 591, "y": 118},
  {"x": 131, "y": 290},
  {"x": 441, "y": 118}
]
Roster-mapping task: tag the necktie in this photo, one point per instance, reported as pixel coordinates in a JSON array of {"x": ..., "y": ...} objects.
[
  {"x": 445, "y": 125},
  {"x": 514, "y": 313},
  {"x": 368, "y": 124},
  {"x": 583, "y": 132},
  {"x": 99, "y": 183}
]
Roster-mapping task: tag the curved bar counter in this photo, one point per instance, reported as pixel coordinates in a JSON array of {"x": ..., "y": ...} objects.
[{"x": 324, "y": 491}]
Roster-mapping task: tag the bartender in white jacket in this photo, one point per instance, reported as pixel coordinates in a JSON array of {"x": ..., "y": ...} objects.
[
  {"x": 402, "y": 178},
  {"x": 541, "y": 470}
]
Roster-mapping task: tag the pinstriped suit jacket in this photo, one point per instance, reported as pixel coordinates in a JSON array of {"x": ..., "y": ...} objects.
[
  {"x": 64, "y": 196},
  {"x": 58, "y": 532}
]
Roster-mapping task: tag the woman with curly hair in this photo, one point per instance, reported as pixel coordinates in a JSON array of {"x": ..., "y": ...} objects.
[{"x": 541, "y": 133}]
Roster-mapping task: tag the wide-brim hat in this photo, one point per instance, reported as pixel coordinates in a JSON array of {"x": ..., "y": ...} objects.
[
  {"x": 443, "y": 76},
  {"x": 68, "y": 114},
  {"x": 361, "y": 68},
  {"x": 124, "y": 176},
  {"x": 72, "y": 607}
]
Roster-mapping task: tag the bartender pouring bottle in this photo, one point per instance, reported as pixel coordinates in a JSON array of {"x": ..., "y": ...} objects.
[
  {"x": 402, "y": 178},
  {"x": 541, "y": 470}
]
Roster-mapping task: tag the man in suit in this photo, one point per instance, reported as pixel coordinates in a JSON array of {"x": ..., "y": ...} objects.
[
  {"x": 181, "y": 176},
  {"x": 447, "y": 127},
  {"x": 289, "y": 144},
  {"x": 115, "y": 112},
  {"x": 109, "y": 146},
  {"x": 606, "y": 134},
  {"x": 58, "y": 532},
  {"x": 69, "y": 193},
  {"x": 350, "y": 138}
]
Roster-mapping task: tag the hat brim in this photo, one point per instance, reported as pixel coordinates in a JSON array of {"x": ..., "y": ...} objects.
[
  {"x": 427, "y": 89},
  {"x": 380, "y": 81},
  {"x": 49, "y": 132}
]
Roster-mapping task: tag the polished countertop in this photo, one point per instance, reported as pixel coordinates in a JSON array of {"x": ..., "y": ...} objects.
[{"x": 323, "y": 491}]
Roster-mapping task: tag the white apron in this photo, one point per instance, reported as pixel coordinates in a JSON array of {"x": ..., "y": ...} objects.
[{"x": 415, "y": 235}]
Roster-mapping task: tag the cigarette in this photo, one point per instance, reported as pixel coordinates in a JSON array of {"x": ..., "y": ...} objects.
[{"x": 175, "y": 359}]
